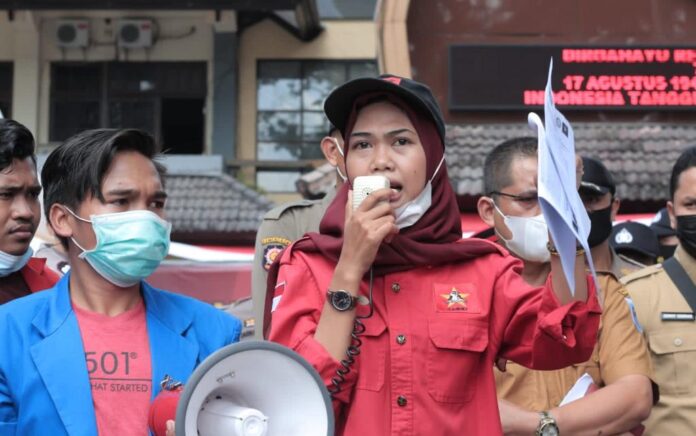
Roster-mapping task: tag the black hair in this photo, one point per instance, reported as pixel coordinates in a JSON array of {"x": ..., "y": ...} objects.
[
  {"x": 16, "y": 142},
  {"x": 685, "y": 161},
  {"x": 76, "y": 168},
  {"x": 496, "y": 168}
]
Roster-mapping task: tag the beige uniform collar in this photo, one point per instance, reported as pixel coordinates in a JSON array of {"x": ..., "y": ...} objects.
[
  {"x": 620, "y": 266},
  {"x": 686, "y": 261}
]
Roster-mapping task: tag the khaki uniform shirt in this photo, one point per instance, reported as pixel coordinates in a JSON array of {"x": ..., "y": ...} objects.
[
  {"x": 280, "y": 227},
  {"x": 672, "y": 346},
  {"x": 620, "y": 351}
]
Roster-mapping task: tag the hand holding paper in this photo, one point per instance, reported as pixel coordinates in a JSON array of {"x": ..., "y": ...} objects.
[{"x": 558, "y": 182}]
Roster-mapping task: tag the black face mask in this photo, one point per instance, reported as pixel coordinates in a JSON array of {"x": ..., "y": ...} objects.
[
  {"x": 686, "y": 232},
  {"x": 601, "y": 226},
  {"x": 667, "y": 251}
]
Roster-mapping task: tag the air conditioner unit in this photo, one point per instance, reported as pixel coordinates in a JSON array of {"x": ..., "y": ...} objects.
[
  {"x": 72, "y": 33},
  {"x": 134, "y": 33}
]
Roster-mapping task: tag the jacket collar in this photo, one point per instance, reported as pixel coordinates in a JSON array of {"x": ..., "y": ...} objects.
[
  {"x": 173, "y": 353},
  {"x": 60, "y": 361},
  {"x": 59, "y": 307}
]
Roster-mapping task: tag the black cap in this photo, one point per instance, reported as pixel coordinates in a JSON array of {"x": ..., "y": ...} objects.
[
  {"x": 635, "y": 237},
  {"x": 596, "y": 178},
  {"x": 660, "y": 224},
  {"x": 340, "y": 102}
]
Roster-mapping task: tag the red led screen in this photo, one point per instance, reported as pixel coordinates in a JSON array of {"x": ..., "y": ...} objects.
[{"x": 615, "y": 78}]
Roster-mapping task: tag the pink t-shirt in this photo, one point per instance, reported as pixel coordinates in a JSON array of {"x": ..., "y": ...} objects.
[{"x": 118, "y": 361}]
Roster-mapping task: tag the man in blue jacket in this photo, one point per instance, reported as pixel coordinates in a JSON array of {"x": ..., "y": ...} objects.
[{"x": 87, "y": 356}]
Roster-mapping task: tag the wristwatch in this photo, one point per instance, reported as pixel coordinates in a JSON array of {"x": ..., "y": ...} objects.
[
  {"x": 547, "y": 425},
  {"x": 341, "y": 300}
]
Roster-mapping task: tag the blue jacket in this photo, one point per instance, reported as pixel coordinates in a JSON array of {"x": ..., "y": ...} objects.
[{"x": 44, "y": 383}]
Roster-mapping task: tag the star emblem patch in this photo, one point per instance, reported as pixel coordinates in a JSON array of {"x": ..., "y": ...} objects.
[{"x": 457, "y": 297}]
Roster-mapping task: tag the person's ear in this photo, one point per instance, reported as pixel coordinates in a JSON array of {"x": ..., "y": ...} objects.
[
  {"x": 615, "y": 204},
  {"x": 329, "y": 146},
  {"x": 672, "y": 217},
  {"x": 58, "y": 220},
  {"x": 486, "y": 210}
]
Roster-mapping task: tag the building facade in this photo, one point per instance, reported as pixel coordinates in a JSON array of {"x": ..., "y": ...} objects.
[
  {"x": 623, "y": 75},
  {"x": 241, "y": 79}
]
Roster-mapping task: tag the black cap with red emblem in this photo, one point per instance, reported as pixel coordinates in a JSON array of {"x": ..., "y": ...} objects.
[{"x": 339, "y": 103}]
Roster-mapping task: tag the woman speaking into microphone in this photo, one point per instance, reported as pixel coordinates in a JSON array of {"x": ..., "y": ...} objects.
[{"x": 401, "y": 317}]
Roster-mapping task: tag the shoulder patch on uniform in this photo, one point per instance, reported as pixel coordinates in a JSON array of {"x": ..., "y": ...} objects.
[
  {"x": 272, "y": 247},
  {"x": 641, "y": 273},
  {"x": 634, "y": 315},
  {"x": 278, "y": 211}
]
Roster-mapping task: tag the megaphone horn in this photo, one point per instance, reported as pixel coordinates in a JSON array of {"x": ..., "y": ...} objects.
[{"x": 255, "y": 388}]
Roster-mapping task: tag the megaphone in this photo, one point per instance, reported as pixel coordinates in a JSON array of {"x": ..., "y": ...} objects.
[{"x": 255, "y": 388}]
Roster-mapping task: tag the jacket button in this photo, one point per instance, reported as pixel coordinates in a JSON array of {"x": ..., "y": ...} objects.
[
  {"x": 401, "y": 339},
  {"x": 395, "y": 287},
  {"x": 401, "y": 401},
  {"x": 678, "y": 342}
]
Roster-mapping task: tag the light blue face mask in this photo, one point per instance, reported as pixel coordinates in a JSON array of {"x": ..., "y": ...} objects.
[
  {"x": 10, "y": 263},
  {"x": 130, "y": 245}
]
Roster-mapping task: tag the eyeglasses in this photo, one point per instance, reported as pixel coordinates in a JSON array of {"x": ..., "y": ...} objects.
[{"x": 525, "y": 198}]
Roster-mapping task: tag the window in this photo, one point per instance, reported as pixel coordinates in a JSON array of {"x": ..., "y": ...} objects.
[
  {"x": 346, "y": 9},
  {"x": 6, "y": 71},
  {"x": 166, "y": 99},
  {"x": 290, "y": 117}
]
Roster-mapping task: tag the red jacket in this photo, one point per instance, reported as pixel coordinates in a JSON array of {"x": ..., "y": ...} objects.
[
  {"x": 37, "y": 275},
  {"x": 426, "y": 363}
]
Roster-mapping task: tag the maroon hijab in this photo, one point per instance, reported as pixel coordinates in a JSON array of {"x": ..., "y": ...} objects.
[{"x": 433, "y": 240}]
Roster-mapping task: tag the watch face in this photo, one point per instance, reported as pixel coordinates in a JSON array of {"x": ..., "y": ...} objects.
[
  {"x": 341, "y": 300},
  {"x": 549, "y": 429}
]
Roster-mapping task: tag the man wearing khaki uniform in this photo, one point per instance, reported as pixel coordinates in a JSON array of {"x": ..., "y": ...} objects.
[
  {"x": 620, "y": 363},
  {"x": 288, "y": 222},
  {"x": 666, "y": 314}
]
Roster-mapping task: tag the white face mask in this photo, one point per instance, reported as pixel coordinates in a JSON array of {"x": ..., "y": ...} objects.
[
  {"x": 340, "y": 150},
  {"x": 10, "y": 263},
  {"x": 408, "y": 214},
  {"x": 530, "y": 236}
]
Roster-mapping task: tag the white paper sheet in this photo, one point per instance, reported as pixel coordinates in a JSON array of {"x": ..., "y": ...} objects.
[
  {"x": 578, "y": 390},
  {"x": 558, "y": 196}
]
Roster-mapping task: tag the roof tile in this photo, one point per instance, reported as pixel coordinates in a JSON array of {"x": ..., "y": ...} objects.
[{"x": 213, "y": 203}]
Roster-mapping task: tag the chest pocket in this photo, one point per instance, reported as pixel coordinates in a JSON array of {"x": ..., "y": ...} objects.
[
  {"x": 372, "y": 357},
  {"x": 674, "y": 358},
  {"x": 455, "y": 357}
]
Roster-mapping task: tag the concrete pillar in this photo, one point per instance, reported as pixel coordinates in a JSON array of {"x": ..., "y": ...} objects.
[
  {"x": 225, "y": 78},
  {"x": 27, "y": 71}
]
